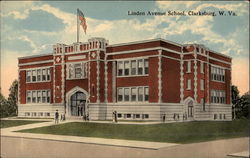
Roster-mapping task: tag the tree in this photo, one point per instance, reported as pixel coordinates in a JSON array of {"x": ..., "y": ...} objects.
[
  {"x": 13, "y": 96},
  {"x": 9, "y": 107},
  {"x": 235, "y": 95}
]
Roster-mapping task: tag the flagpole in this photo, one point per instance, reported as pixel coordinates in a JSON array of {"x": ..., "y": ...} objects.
[{"x": 77, "y": 19}]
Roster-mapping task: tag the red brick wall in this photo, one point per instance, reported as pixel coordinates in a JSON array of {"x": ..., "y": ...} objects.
[
  {"x": 34, "y": 59},
  {"x": 110, "y": 81},
  {"x": 153, "y": 79},
  {"x": 22, "y": 83},
  {"x": 93, "y": 79},
  {"x": 170, "y": 81}
]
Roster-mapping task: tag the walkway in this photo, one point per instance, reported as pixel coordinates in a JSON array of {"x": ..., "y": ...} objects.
[{"x": 10, "y": 132}]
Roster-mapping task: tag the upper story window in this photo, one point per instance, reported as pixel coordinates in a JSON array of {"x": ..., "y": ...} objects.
[
  {"x": 189, "y": 84},
  {"x": 132, "y": 94},
  {"x": 218, "y": 96},
  {"x": 38, "y": 75},
  {"x": 38, "y": 96},
  {"x": 217, "y": 74},
  {"x": 132, "y": 67},
  {"x": 77, "y": 70},
  {"x": 188, "y": 66},
  {"x": 202, "y": 84},
  {"x": 202, "y": 67}
]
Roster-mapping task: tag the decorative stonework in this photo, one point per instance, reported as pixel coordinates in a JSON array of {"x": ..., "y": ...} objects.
[
  {"x": 195, "y": 76},
  {"x": 160, "y": 76},
  {"x": 182, "y": 79},
  {"x": 93, "y": 55},
  {"x": 208, "y": 94},
  {"x": 98, "y": 77},
  {"x": 63, "y": 76},
  {"x": 106, "y": 79},
  {"x": 114, "y": 81}
]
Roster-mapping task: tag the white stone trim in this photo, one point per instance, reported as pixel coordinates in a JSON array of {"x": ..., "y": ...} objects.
[
  {"x": 143, "y": 50},
  {"x": 36, "y": 62},
  {"x": 54, "y": 81},
  {"x": 106, "y": 79},
  {"x": 33, "y": 56},
  {"x": 84, "y": 51},
  {"x": 224, "y": 62},
  {"x": 98, "y": 77},
  {"x": 182, "y": 78},
  {"x": 63, "y": 76},
  {"x": 144, "y": 41},
  {"x": 34, "y": 68},
  {"x": 77, "y": 57},
  {"x": 160, "y": 76},
  {"x": 114, "y": 81},
  {"x": 19, "y": 91},
  {"x": 195, "y": 77},
  {"x": 208, "y": 73}
]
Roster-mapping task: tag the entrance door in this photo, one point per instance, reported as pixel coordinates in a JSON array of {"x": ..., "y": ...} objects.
[
  {"x": 190, "y": 109},
  {"x": 77, "y": 104}
]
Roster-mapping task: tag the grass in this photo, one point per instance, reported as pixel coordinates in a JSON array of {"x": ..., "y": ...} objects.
[
  {"x": 186, "y": 132},
  {"x": 11, "y": 123}
]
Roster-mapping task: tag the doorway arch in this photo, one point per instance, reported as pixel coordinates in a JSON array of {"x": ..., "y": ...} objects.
[
  {"x": 76, "y": 100},
  {"x": 189, "y": 105}
]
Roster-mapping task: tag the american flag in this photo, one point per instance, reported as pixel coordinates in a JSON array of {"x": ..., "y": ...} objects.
[{"x": 82, "y": 20}]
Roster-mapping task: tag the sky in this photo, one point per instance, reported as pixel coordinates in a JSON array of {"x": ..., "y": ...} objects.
[{"x": 32, "y": 27}]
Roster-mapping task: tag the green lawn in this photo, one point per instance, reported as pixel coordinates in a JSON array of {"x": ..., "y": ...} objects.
[
  {"x": 186, "y": 132},
  {"x": 11, "y": 123}
]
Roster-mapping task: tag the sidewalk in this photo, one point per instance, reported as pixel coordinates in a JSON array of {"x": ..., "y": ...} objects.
[{"x": 9, "y": 132}]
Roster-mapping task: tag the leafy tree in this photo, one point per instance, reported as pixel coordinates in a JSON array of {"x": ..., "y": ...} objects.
[
  {"x": 13, "y": 97},
  {"x": 9, "y": 107},
  {"x": 243, "y": 106}
]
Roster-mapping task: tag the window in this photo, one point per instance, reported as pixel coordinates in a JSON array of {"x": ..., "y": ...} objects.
[
  {"x": 119, "y": 115},
  {"x": 39, "y": 96},
  {"x": 203, "y": 104},
  {"x": 224, "y": 116},
  {"x": 220, "y": 116},
  {"x": 189, "y": 84},
  {"x": 140, "y": 67},
  {"x": 28, "y": 76},
  {"x": 48, "y": 96},
  {"x": 48, "y": 74},
  {"x": 202, "y": 67},
  {"x": 29, "y": 97},
  {"x": 34, "y": 95},
  {"x": 136, "y": 116},
  {"x": 146, "y": 66},
  {"x": 188, "y": 66},
  {"x": 145, "y": 116},
  {"x": 217, "y": 74},
  {"x": 40, "y": 114},
  {"x": 202, "y": 84},
  {"x": 128, "y": 115},
  {"x": 140, "y": 94},
  {"x": 78, "y": 71},
  {"x": 44, "y": 74},
  {"x": 218, "y": 96},
  {"x": 39, "y": 73},
  {"x": 126, "y": 94},
  {"x": 133, "y": 67},
  {"x": 120, "y": 94},
  {"x": 126, "y": 70},
  {"x": 47, "y": 114},
  {"x": 133, "y": 94},
  {"x": 146, "y": 94},
  {"x": 44, "y": 96},
  {"x": 26, "y": 114},
  {"x": 120, "y": 68},
  {"x": 33, "y": 75},
  {"x": 215, "y": 116}
]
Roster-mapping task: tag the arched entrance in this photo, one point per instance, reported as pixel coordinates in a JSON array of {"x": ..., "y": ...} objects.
[
  {"x": 77, "y": 104},
  {"x": 189, "y": 108},
  {"x": 76, "y": 100}
]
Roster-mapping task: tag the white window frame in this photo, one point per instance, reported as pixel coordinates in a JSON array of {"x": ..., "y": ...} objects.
[
  {"x": 121, "y": 66},
  {"x": 202, "y": 67},
  {"x": 188, "y": 66},
  {"x": 202, "y": 84},
  {"x": 130, "y": 93},
  {"x": 36, "y": 70},
  {"x": 189, "y": 86},
  {"x": 37, "y": 92},
  {"x": 217, "y": 74}
]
